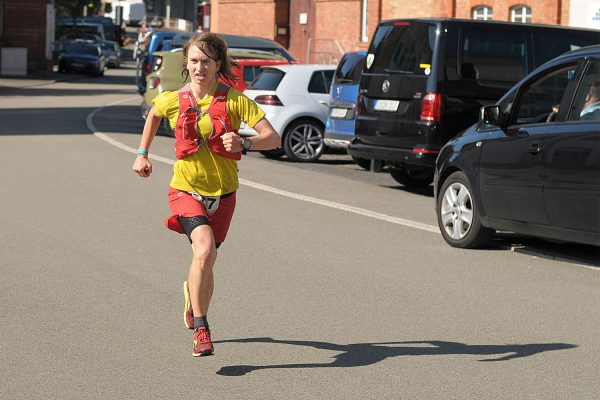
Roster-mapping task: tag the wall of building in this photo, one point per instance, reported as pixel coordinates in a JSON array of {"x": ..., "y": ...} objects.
[
  {"x": 337, "y": 28},
  {"x": 26, "y": 27},
  {"x": 416, "y": 9},
  {"x": 255, "y": 17},
  {"x": 334, "y": 26},
  {"x": 543, "y": 12}
]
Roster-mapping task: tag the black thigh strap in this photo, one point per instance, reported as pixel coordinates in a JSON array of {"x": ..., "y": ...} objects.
[{"x": 190, "y": 223}]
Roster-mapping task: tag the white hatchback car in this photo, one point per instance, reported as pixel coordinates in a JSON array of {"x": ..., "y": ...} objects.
[{"x": 296, "y": 100}]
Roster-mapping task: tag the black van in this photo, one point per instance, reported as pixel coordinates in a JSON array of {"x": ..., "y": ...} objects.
[{"x": 425, "y": 80}]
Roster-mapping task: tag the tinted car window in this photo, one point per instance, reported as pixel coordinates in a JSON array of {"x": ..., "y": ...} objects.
[
  {"x": 550, "y": 45},
  {"x": 538, "y": 98},
  {"x": 248, "y": 74},
  {"x": 320, "y": 82},
  {"x": 349, "y": 69},
  {"x": 268, "y": 79},
  {"x": 328, "y": 76},
  {"x": 586, "y": 106},
  {"x": 82, "y": 49},
  {"x": 404, "y": 48},
  {"x": 487, "y": 55}
]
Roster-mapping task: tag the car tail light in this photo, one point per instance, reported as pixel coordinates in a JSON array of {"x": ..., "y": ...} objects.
[
  {"x": 154, "y": 82},
  {"x": 431, "y": 106},
  {"x": 157, "y": 63},
  {"x": 424, "y": 150},
  {"x": 268, "y": 99},
  {"x": 147, "y": 68},
  {"x": 356, "y": 107}
]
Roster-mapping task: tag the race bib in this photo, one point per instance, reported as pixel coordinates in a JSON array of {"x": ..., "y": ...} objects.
[{"x": 210, "y": 203}]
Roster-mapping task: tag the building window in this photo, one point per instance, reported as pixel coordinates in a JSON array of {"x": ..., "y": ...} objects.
[
  {"x": 483, "y": 13},
  {"x": 520, "y": 14}
]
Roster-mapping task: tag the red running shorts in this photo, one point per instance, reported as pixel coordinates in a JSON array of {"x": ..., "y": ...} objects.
[{"x": 183, "y": 204}]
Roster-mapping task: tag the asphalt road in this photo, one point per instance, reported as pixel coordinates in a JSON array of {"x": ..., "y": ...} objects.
[{"x": 333, "y": 283}]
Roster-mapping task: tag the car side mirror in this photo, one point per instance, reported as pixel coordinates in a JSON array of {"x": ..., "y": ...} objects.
[{"x": 489, "y": 115}]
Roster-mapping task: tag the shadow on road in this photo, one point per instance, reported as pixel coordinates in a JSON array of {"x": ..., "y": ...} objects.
[
  {"x": 582, "y": 254},
  {"x": 363, "y": 354},
  {"x": 47, "y": 90},
  {"x": 69, "y": 121},
  {"x": 426, "y": 191}
]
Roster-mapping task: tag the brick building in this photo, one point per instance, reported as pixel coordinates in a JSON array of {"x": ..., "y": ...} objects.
[
  {"x": 322, "y": 30},
  {"x": 23, "y": 25}
]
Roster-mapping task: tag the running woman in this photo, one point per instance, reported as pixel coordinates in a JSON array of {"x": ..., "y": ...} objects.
[{"x": 205, "y": 115}]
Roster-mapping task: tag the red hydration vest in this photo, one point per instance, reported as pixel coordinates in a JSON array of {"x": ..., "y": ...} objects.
[{"x": 187, "y": 138}]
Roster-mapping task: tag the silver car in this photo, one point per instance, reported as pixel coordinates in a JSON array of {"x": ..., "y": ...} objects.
[{"x": 296, "y": 100}]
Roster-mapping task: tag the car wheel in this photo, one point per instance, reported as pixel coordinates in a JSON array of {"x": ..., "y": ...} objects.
[
  {"x": 303, "y": 141},
  {"x": 457, "y": 215},
  {"x": 364, "y": 163},
  {"x": 413, "y": 177},
  {"x": 273, "y": 154}
]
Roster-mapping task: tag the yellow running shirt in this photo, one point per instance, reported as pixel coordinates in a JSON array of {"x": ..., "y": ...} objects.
[{"x": 205, "y": 172}]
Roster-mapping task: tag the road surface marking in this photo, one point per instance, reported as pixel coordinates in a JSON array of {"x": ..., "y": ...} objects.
[{"x": 260, "y": 186}]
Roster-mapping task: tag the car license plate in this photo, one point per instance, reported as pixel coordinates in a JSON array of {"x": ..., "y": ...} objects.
[
  {"x": 386, "y": 105},
  {"x": 338, "y": 112},
  {"x": 77, "y": 65}
]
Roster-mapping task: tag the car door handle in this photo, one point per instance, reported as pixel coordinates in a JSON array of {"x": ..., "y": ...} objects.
[{"x": 534, "y": 149}]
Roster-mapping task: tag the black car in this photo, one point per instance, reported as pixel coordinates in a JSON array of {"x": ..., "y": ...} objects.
[
  {"x": 425, "y": 79},
  {"x": 531, "y": 165},
  {"x": 82, "y": 57}
]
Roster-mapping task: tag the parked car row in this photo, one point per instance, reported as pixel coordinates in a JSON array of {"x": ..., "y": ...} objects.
[
  {"x": 531, "y": 164},
  {"x": 81, "y": 45},
  {"x": 425, "y": 80},
  {"x": 165, "y": 40}
]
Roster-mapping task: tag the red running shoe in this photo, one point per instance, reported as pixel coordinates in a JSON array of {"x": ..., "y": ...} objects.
[
  {"x": 188, "y": 313},
  {"x": 202, "y": 344}
]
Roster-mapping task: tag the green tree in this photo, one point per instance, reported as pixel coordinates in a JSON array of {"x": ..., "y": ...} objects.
[{"x": 74, "y": 8}]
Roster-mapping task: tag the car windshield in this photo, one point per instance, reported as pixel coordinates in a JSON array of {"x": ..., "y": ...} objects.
[
  {"x": 82, "y": 49},
  {"x": 403, "y": 47},
  {"x": 268, "y": 79},
  {"x": 349, "y": 69},
  {"x": 83, "y": 36}
]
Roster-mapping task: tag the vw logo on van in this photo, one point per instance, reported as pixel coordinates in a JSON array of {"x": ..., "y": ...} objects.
[{"x": 386, "y": 86}]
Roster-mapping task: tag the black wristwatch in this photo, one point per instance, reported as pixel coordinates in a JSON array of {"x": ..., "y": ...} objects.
[{"x": 246, "y": 144}]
